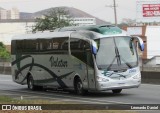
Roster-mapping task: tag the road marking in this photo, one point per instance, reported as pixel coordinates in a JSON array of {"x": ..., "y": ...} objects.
[
  {"x": 6, "y": 80},
  {"x": 78, "y": 98},
  {"x": 59, "y": 99},
  {"x": 6, "y": 94},
  {"x": 150, "y": 85},
  {"x": 71, "y": 100},
  {"x": 55, "y": 98}
]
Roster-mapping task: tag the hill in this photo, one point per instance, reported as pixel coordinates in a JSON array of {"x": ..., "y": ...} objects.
[
  {"x": 73, "y": 12},
  {"x": 2, "y": 8}
]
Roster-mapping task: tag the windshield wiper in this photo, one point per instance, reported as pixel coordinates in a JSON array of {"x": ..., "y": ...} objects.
[
  {"x": 117, "y": 55},
  {"x": 111, "y": 63},
  {"x": 119, "y": 58},
  {"x": 131, "y": 46},
  {"x": 126, "y": 62}
]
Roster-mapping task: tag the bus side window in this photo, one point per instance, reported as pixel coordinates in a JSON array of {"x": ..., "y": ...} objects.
[
  {"x": 84, "y": 45},
  {"x": 33, "y": 46},
  {"x": 13, "y": 47},
  {"x": 40, "y": 46},
  {"x": 37, "y": 48},
  {"x": 77, "y": 49},
  {"x": 60, "y": 45},
  {"x": 19, "y": 46},
  {"x": 87, "y": 52},
  {"x": 74, "y": 44},
  {"x": 64, "y": 45},
  {"x": 49, "y": 46}
]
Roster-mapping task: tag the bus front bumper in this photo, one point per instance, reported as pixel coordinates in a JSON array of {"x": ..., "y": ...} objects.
[{"x": 118, "y": 84}]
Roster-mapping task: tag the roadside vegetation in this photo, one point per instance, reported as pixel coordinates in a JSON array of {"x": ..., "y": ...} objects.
[
  {"x": 55, "y": 18},
  {"x": 4, "y": 54}
]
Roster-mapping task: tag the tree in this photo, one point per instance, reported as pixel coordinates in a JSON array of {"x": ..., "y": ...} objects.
[
  {"x": 4, "y": 54},
  {"x": 54, "y": 18},
  {"x": 121, "y": 25}
]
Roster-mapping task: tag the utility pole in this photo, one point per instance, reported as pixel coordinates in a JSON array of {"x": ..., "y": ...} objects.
[{"x": 115, "y": 11}]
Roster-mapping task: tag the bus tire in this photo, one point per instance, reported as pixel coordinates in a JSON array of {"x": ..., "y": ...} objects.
[
  {"x": 116, "y": 91},
  {"x": 79, "y": 87},
  {"x": 30, "y": 83}
]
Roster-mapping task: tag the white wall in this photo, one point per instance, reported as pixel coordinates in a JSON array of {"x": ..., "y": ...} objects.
[
  {"x": 153, "y": 41},
  {"x": 8, "y": 30},
  {"x": 158, "y": 60},
  {"x": 154, "y": 61}
]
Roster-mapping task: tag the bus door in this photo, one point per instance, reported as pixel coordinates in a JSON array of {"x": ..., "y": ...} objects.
[
  {"x": 88, "y": 59},
  {"x": 81, "y": 50},
  {"x": 90, "y": 70}
]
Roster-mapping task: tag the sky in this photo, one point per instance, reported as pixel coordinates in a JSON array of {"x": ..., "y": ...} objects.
[{"x": 98, "y": 8}]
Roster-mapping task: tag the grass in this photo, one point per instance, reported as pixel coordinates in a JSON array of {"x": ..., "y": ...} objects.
[
  {"x": 9, "y": 100},
  {"x": 5, "y": 100}
]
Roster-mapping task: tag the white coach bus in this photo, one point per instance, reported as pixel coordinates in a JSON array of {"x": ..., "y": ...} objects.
[{"x": 96, "y": 59}]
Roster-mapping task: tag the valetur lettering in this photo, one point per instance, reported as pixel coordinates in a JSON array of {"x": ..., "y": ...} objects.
[{"x": 56, "y": 62}]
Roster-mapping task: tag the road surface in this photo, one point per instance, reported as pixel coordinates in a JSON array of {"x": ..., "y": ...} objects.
[{"x": 145, "y": 94}]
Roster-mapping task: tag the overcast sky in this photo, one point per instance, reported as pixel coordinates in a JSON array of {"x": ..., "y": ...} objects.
[{"x": 98, "y": 8}]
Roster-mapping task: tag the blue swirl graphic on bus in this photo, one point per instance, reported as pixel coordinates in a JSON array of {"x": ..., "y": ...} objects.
[
  {"x": 56, "y": 78},
  {"x": 109, "y": 74}
]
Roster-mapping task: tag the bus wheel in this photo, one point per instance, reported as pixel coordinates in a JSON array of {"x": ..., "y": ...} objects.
[
  {"x": 30, "y": 83},
  {"x": 79, "y": 87},
  {"x": 116, "y": 91}
]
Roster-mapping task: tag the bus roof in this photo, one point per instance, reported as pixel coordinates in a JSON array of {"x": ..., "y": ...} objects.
[
  {"x": 91, "y": 32},
  {"x": 46, "y": 35},
  {"x": 101, "y": 29}
]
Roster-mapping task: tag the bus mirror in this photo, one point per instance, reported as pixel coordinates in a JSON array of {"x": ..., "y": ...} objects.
[
  {"x": 140, "y": 43},
  {"x": 94, "y": 47}
]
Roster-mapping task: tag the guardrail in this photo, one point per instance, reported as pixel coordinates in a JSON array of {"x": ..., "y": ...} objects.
[
  {"x": 149, "y": 75},
  {"x": 150, "y": 69}
]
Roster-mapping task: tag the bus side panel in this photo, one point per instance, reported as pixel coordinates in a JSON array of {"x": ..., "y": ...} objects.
[
  {"x": 80, "y": 69},
  {"x": 20, "y": 68}
]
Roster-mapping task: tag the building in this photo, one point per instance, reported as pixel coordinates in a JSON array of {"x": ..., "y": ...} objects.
[
  {"x": 13, "y": 13},
  {"x": 3, "y": 14},
  {"x": 78, "y": 21},
  {"x": 82, "y": 21},
  {"x": 9, "y": 14}
]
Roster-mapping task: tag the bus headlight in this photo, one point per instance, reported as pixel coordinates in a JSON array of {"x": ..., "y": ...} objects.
[
  {"x": 101, "y": 79},
  {"x": 137, "y": 76}
]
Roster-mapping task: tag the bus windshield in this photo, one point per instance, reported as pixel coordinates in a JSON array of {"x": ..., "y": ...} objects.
[{"x": 116, "y": 53}]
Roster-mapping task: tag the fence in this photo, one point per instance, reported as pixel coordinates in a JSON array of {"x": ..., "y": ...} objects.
[{"x": 5, "y": 66}]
